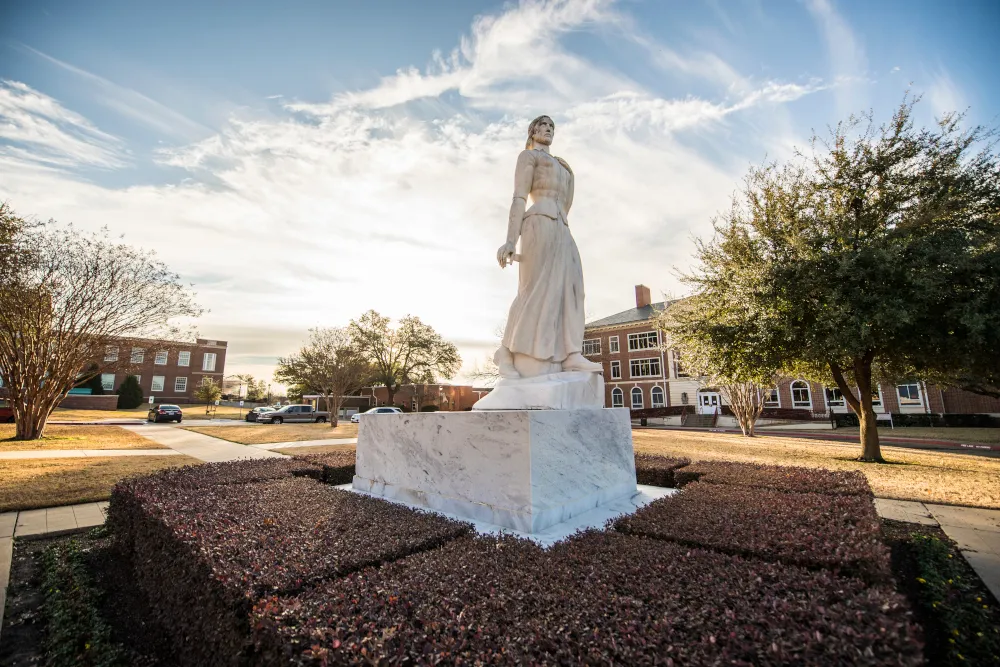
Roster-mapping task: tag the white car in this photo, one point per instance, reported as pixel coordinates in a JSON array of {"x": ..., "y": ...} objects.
[{"x": 356, "y": 417}]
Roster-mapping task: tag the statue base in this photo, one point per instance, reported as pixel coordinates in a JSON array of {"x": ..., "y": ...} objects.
[
  {"x": 525, "y": 470},
  {"x": 570, "y": 390}
]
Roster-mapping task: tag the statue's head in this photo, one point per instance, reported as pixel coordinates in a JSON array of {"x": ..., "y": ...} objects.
[{"x": 541, "y": 131}]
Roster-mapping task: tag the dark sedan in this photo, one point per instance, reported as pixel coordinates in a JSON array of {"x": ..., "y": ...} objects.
[
  {"x": 165, "y": 413},
  {"x": 255, "y": 414}
]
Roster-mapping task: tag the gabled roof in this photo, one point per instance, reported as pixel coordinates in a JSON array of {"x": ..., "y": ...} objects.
[{"x": 631, "y": 315}]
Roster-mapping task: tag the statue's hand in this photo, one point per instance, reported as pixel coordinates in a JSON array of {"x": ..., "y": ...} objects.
[{"x": 505, "y": 255}]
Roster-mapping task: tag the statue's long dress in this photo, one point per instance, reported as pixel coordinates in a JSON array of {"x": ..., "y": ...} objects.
[{"x": 546, "y": 320}]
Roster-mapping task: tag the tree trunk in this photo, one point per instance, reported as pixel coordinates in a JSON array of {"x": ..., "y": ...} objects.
[
  {"x": 31, "y": 416},
  {"x": 871, "y": 451},
  {"x": 392, "y": 393}
]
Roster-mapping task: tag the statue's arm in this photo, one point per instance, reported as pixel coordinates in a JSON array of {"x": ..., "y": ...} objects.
[
  {"x": 523, "y": 175},
  {"x": 569, "y": 195}
]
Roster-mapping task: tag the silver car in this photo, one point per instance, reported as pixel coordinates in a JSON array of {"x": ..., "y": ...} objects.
[
  {"x": 355, "y": 418},
  {"x": 293, "y": 413}
]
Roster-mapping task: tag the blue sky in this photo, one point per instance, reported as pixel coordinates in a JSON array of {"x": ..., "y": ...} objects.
[{"x": 302, "y": 162}]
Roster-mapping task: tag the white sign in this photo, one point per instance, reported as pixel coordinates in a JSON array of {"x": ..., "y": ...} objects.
[
  {"x": 241, "y": 404},
  {"x": 216, "y": 402},
  {"x": 150, "y": 400}
]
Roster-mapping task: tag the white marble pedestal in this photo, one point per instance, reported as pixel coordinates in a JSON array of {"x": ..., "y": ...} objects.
[
  {"x": 566, "y": 390},
  {"x": 521, "y": 469}
]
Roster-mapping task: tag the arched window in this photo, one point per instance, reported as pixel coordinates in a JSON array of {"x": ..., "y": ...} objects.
[
  {"x": 617, "y": 398},
  {"x": 636, "y": 398},
  {"x": 800, "y": 395},
  {"x": 657, "y": 397}
]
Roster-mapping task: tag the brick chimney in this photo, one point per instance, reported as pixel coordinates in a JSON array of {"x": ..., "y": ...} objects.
[{"x": 642, "y": 296}]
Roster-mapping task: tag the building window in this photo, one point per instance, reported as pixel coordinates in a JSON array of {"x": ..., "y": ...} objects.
[
  {"x": 834, "y": 397},
  {"x": 644, "y": 368},
  {"x": 909, "y": 394},
  {"x": 138, "y": 355},
  {"x": 876, "y": 396},
  {"x": 636, "y": 398},
  {"x": 617, "y": 398},
  {"x": 801, "y": 397},
  {"x": 158, "y": 381},
  {"x": 613, "y": 344},
  {"x": 208, "y": 364},
  {"x": 111, "y": 353},
  {"x": 678, "y": 368},
  {"x": 657, "y": 397},
  {"x": 108, "y": 381},
  {"x": 161, "y": 358},
  {"x": 616, "y": 370},
  {"x": 643, "y": 341},
  {"x": 591, "y": 347},
  {"x": 184, "y": 358},
  {"x": 771, "y": 398},
  {"x": 181, "y": 384}
]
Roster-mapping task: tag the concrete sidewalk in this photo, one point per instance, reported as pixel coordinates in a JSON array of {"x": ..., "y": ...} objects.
[
  {"x": 82, "y": 453},
  {"x": 202, "y": 447},
  {"x": 975, "y": 531},
  {"x": 307, "y": 443}
]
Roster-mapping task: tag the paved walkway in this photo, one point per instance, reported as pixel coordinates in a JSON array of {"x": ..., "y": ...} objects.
[
  {"x": 83, "y": 453},
  {"x": 307, "y": 443},
  {"x": 976, "y": 531},
  {"x": 202, "y": 447}
]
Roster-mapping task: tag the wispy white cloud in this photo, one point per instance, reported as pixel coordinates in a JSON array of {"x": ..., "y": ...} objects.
[
  {"x": 848, "y": 62},
  {"x": 944, "y": 94},
  {"x": 133, "y": 104}
]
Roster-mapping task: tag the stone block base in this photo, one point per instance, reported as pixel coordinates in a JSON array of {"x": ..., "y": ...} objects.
[
  {"x": 521, "y": 469},
  {"x": 570, "y": 390}
]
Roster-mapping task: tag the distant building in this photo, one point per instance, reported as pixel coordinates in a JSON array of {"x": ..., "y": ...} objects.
[
  {"x": 170, "y": 371},
  {"x": 642, "y": 371},
  {"x": 411, "y": 397}
]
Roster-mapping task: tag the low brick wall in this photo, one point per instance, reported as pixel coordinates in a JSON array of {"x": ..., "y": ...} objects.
[{"x": 84, "y": 402}]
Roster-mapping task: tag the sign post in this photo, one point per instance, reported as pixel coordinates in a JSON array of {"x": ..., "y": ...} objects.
[{"x": 150, "y": 400}]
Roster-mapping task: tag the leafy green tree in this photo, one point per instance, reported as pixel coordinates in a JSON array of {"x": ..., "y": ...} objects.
[
  {"x": 411, "y": 353},
  {"x": 130, "y": 394},
  {"x": 873, "y": 258},
  {"x": 209, "y": 392}
]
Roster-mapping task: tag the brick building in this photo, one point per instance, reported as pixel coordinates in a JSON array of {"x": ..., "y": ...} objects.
[
  {"x": 641, "y": 371},
  {"x": 450, "y": 397},
  {"x": 170, "y": 371}
]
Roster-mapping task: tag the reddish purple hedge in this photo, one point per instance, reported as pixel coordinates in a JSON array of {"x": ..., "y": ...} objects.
[
  {"x": 780, "y": 478},
  {"x": 656, "y": 470},
  {"x": 841, "y": 533},
  {"x": 336, "y": 467},
  {"x": 600, "y": 598}
]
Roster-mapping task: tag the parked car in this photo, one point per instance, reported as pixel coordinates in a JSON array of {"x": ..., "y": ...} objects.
[
  {"x": 293, "y": 413},
  {"x": 254, "y": 415},
  {"x": 356, "y": 417},
  {"x": 165, "y": 413},
  {"x": 6, "y": 413}
]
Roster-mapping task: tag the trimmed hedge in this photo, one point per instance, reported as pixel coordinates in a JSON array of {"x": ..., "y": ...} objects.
[
  {"x": 335, "y": 467},
  {"x": 656, "y": 470},
  {"x": 599, "y": 598},
  {"x": 779, "y": 478},
  {"x": 838, "y": 532},
  {"x": 206, "y": 553},
  {"x": 932, "y": 419}
]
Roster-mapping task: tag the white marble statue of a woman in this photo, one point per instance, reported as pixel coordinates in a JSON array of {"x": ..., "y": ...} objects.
[{"x": 544, "y": 331}]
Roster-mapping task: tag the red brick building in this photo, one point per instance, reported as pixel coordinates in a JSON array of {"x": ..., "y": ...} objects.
[
  {"x": 170, "y": 371},
  {"x": 641, "y": 371}
]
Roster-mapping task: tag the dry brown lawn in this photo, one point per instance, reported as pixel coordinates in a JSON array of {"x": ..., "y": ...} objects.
[
  {"x": 989, "y": 436},
  {"x": 320, "y": 449},
  {"x": 921, "y": 475},
  {"x": 190, "y": 412},
  {"x": 261, "y": 434},
  {"x": 33, "y": 483},
  {"x": 76, "y": 437}
]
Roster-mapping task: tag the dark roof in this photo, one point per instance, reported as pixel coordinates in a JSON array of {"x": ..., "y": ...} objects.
[{"x": 631, "y": 315}]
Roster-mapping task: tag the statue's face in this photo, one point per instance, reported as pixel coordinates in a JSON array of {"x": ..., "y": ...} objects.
[{"x": 544, "y": 131}]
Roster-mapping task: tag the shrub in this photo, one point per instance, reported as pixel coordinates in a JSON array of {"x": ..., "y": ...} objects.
[
  {"x": 656, "y": 470},
  {"x": 599, "y": 598},
  {"x": 335, "y": 467},
  {"x": 779, "y": 478},
  {"x": 206, "y": 552},
  {"x": 130, "y": 394},
  {"x": 841, "y": 533},
  {"x": 429, "y": 408}
]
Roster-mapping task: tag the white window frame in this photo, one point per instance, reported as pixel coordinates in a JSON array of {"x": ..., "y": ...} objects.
[
  {"x": 617, "y": 398},
  {"x": 111, "y": 353},
  {"x": 675, "y": 358},
  {"x": 801, "y": 404},
  {"x": 833, "y": 403},
  {"x": 637, "y": 391},
  {"x": 876, "y": 396},
  {"x": 591, "y": 346},
  {"x": 647, "y": 340},
  {"x": 616, "y": 370},
  {"x": 138, "y": 355},
  {"x": 613, "y": 345},
  {"x": 653, "y": 393},
  {"x": 919, "y": 400},
  {"x": 205, "y": 359},
  {"x": 159, "y": 382},
  {"x": 184, "y": 358},
  {"x": 162, "y": 356},
  {"x": 650, "y": 362},
  {"x": 105, "y": 383},
  {"x": 768, "y": 403},
  {"x": 180, "y": 384}
]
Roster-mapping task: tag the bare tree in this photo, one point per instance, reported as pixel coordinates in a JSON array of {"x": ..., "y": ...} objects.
[
  {"x": 66, "y": 299},
  {"x": 746, "y": 400},
  {"x": 412, "y": 353},
  {"x": 329, "y": 364}
]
